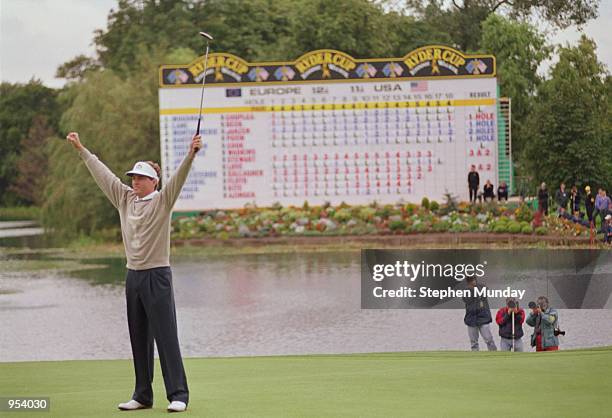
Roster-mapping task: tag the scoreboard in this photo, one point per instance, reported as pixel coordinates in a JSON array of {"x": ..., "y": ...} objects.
[{"x": 328, "y": 127}]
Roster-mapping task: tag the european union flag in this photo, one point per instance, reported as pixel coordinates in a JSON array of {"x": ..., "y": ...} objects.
[{"x": 233, "y": 92}]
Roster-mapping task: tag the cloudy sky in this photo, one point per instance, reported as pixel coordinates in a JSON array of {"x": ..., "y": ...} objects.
[{"x": 36, "y": 36}]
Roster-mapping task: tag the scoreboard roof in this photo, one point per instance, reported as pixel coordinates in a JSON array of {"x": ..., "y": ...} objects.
[{"x": 431, "y": 62}]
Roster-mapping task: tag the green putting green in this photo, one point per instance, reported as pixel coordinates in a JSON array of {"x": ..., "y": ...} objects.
[{"x": 426, "y": 384}]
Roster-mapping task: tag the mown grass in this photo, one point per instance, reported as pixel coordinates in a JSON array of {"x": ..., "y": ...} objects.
[{"x": 427, "y": 384}]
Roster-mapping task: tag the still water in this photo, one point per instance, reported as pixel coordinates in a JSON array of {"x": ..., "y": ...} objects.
[{"x": 234, "y": 305}]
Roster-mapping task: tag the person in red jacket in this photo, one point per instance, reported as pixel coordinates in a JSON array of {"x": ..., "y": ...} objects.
[{"x": 510, "y": 337}]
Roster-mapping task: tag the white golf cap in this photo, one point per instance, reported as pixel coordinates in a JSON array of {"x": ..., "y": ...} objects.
[{"x": 144, "y": 169}]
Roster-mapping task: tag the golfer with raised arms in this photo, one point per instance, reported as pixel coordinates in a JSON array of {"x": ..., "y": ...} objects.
[{"x": 145, "y": 227}]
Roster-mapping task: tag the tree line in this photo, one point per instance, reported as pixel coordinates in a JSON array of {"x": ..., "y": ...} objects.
[{"x": 561, "y": 127}]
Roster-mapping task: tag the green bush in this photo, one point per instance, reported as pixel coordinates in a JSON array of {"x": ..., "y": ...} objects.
[
  {"x": 411, "y": 208},
  {"x": 222, "y": 235},
  {"x": 386, "y": 211},
  {"x": 397, "y": 225},
  {"x": 474, "y": 225},
  {"x": 420, "y": 227},
  {"x": 527, "y": 230},
  {"x": 343, "y": 215},
  {"x": 291, "y": 215},
  {"x": 269, "y": 215},
  {"x": 442, "y": 226},
  {"x": 425, "y": 203},
  {"x": 451, "y": 204},
  {"x": 434, "y": 206},
  {"x": 541, "y": 230},
  {"x": 366, "y": 213},
  {"x": 500, "y": 228},
  {"x": 494, "y": 224},
  {"x": 459, "y": 228},
  {"x": 514, "y": 227}
]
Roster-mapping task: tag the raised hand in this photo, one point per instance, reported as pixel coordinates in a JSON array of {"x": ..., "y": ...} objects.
[
  {"x": 73, "y": 138},
  {"x": 196, "y": 144}
]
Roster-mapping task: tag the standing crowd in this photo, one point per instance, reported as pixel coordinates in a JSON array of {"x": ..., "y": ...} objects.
[
  {"x": 569, "y": 203},
  {"x": 596, "y": 206}
]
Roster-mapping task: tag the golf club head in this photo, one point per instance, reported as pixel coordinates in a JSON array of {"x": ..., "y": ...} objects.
[{"x": 206, "y": 35}]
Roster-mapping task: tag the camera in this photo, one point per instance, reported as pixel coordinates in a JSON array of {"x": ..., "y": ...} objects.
[
  {"x": 559, "y": 332},
  {"x": 533, "y": 305}
]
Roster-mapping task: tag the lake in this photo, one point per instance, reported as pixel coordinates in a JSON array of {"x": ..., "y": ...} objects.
[{"x": 55, "y": 307}]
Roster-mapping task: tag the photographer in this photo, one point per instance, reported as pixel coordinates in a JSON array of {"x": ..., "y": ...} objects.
[
  {"x": 478, "y": 317},
  {"x": 544, "y": 319},
  {"x": 511, "y": 336}
]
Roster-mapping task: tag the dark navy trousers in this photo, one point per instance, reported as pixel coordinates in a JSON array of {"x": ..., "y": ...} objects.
[{"x": 152, "y": 317}]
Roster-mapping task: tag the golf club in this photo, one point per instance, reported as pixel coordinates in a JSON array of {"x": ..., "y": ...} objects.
[{"x": 208, "y": 39}]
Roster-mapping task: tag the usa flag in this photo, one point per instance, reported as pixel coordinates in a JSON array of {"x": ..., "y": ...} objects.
[{"x": 416, "y": 86}]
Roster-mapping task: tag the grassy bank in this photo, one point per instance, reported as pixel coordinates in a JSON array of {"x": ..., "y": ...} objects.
[
  {"x": 88, "y": 249},
  {"x": 19, "y": 213},
  {"x": 273, "y": 245},
  {"x": 568, "y": 384}
]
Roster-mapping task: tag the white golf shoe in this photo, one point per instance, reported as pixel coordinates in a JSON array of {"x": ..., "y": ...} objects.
[
  {"x": 132, "y": 405},
  {"x": 177, "y": 406}
]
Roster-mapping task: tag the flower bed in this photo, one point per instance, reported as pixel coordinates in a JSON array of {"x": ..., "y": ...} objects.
[{"x": 375, "y": 219}]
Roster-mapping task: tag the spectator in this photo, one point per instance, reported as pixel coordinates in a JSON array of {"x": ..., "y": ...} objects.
[
  {"x": 602, "y": 203},
  {"x": 589, "y": 203},
  {"x": 561, "y": 198},
  {"x": 473, "y": 183},
  {"x": 502, "y": 191},
  {"x": 543, "y": 199},
  {"x": 544, "y": 320},
  {"x": 575, "y": 201},
  {"x": 607, "y": 229},
  {"x": 478, "y": 317},
  {"x": 509, "y": 337},
  {"x": 488, "y": 191}
]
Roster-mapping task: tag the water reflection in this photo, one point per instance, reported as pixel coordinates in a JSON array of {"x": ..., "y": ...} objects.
[{"x": 105, "y": 271}]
